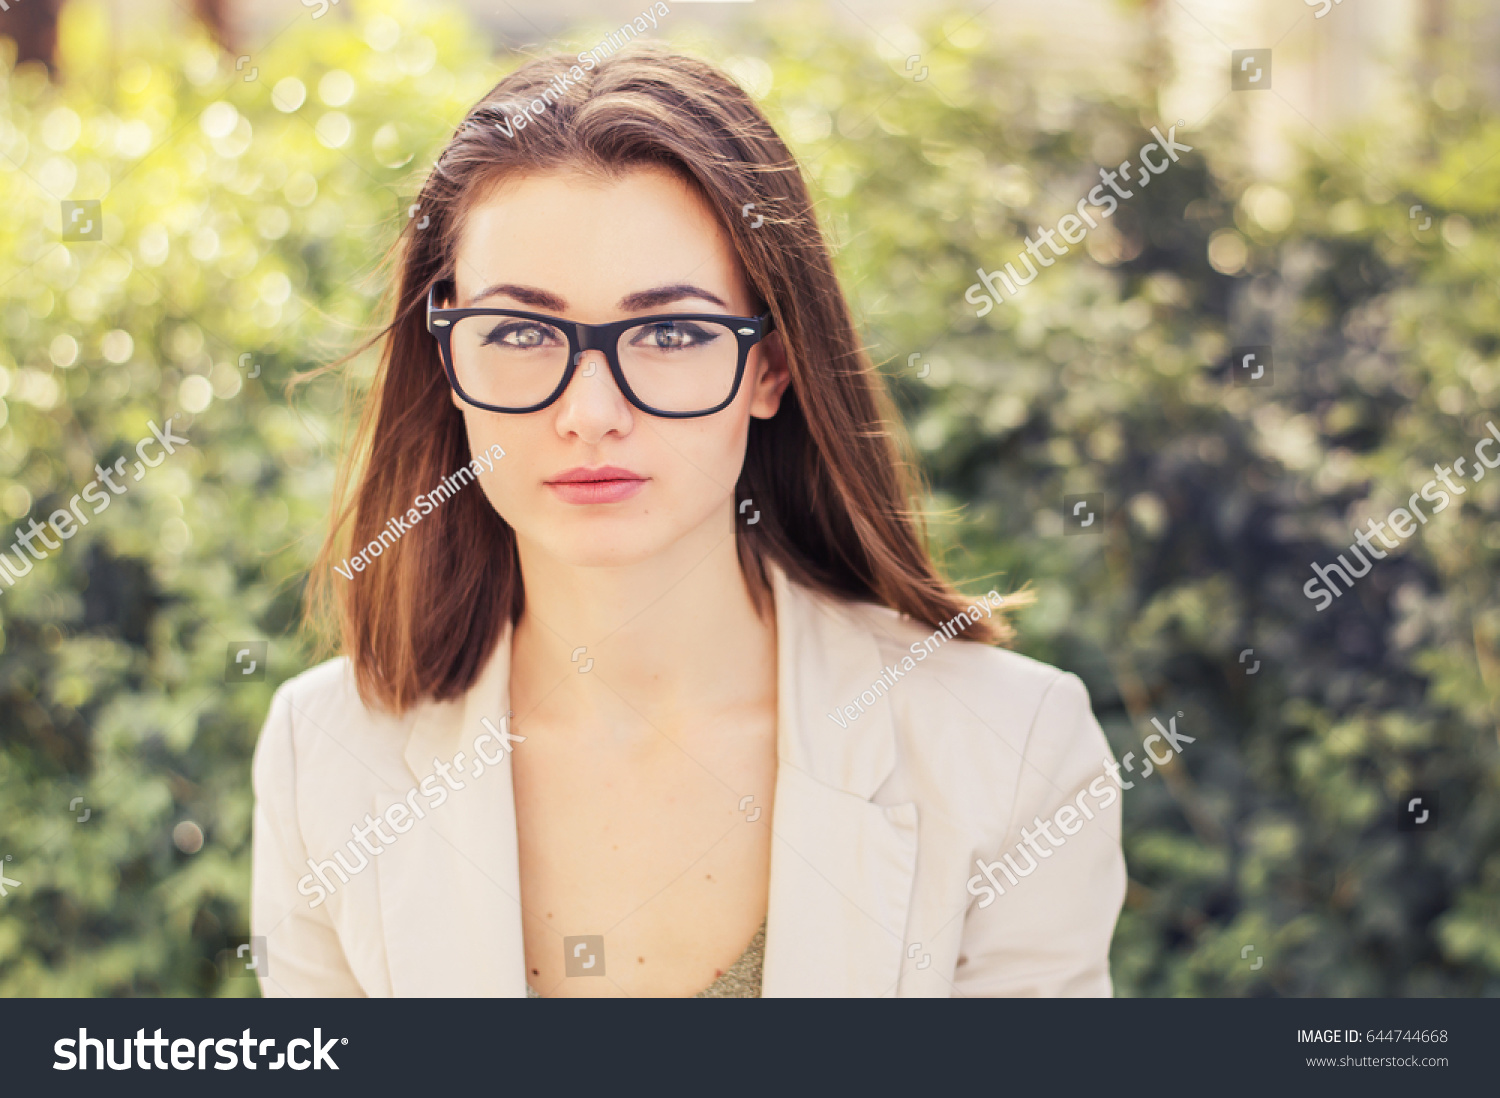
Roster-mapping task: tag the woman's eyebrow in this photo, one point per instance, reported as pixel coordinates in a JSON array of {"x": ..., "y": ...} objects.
[
  {"x": 641, "y": 299},
  {"x": 666, "y": 295},
  {"x": 526, "y": 295}
]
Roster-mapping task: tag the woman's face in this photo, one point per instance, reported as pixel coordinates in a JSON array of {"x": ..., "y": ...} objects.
[{"x": 598, "y": 250}]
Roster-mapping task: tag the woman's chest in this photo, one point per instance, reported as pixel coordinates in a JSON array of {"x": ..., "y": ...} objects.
[{"x": 644, "y": 867}]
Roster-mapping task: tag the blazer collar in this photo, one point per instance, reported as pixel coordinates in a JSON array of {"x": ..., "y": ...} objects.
[
  {"x": 450, "y": 889},
  {"x": 827, "y": 657},
  {"x": 841, "y": 866}
]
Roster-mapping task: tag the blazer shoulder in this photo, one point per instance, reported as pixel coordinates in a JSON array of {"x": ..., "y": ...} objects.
[
  {"x": 974, "y": 719},
  {"x": 317, "y": 720},
  {"x": 328, "y": 687},
  {"x": 998, "y": 677}
]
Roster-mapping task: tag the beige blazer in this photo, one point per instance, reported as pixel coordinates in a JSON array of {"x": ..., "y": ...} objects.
[{"x": 877, "y": 824}]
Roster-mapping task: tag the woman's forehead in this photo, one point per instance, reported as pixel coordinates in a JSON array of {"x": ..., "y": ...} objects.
[{"x": 595, "y": 238}]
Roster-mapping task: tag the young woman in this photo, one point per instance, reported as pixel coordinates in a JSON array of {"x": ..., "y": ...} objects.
[{"x": 650, "y": 684}]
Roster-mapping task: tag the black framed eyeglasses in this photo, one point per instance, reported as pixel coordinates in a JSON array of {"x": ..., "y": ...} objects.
[{"x": 676, "y": 365}]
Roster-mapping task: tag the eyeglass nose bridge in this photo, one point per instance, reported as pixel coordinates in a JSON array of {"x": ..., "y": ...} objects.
[{"x": 590, "y": 338}]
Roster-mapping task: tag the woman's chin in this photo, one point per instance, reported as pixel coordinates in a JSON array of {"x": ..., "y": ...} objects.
[{"x": 600, "y": 549}]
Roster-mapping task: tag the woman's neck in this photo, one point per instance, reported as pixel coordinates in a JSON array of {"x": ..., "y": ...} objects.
[{"x": 676, "y": 636}]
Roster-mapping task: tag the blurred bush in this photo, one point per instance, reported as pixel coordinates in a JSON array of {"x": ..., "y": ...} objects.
[{"x": 244, "y": 219}]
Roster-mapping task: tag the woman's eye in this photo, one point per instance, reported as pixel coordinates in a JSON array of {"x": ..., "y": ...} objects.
[
  {"x": 517, "y": 335},
  {"x": 673, "y": 335}
]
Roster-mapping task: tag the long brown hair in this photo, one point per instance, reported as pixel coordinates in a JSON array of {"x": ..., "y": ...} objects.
[{"x": 828, "y": 473}]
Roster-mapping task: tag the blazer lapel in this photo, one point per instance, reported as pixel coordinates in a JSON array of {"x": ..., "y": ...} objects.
[
  {"x": 450, "y": 887},
  {"x": 842, "y": 866}
]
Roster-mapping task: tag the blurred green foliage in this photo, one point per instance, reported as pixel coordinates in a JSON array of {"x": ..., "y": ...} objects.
[{"x": 245, "y": 218}]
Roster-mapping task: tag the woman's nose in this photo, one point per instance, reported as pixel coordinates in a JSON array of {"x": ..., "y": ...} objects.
[
  {"x": 592, "y": 404},
  {"x": 589, "y": 363}
]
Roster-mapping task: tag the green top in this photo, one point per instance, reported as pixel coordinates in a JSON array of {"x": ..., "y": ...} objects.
[{"x": 742, "y": 981}]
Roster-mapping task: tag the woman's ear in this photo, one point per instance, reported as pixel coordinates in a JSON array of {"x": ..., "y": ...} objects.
[{"x": 769, "y": 376}]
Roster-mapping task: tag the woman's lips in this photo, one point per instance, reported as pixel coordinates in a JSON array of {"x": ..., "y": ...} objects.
[{"x": 608, "y": 484}]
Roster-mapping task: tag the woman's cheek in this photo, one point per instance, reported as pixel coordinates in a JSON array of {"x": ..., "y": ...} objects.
[{"x": 499, "y": 487}]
